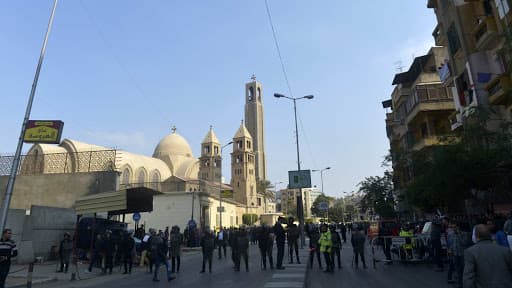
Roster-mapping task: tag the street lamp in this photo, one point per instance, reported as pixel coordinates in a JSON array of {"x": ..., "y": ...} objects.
[
  {"x": 322, "y": 182},
  {"x": 220, "y": 184},
  {"x": 300, "y": 205}
]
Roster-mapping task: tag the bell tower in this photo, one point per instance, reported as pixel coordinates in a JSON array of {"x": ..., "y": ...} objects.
[
  {"x": 210, "y": 167},
  {"x": 255, "y": 124},
  {"x": 243, "y": 179}
]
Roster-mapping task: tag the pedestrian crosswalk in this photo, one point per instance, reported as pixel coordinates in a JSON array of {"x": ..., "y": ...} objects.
[{"x": 293, "y": 276}]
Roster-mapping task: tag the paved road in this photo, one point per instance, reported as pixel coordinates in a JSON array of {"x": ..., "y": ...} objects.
[
  {"x": 395, "y": 276},
  {"x": 222, "y": 275}
]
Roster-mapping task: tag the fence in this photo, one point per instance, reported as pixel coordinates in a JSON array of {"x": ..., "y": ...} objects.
[
  {"x": 36, "y": 164},
  {"x": 399, "y": 248}
]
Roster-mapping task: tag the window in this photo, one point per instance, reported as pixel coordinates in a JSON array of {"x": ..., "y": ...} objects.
[
  {"x": 248, "y": 144},
  {"x": 125, "y": 179},
  {"x": 216, "y": 150},
  {"x": 503, "y": 7},
  {"x": 251, "y": 93},
  {"x": 239, "y": 144},
  {"x": 142, "y": 177},
  {"x": 207, "y": 149},
  {"x": 453, "y": 39},
  {"x": 155, "y": 180},
  {"x": 259, "y": 201}
]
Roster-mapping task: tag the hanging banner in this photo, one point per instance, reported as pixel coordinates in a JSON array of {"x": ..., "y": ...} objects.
[{"x": 43, "y": 131}]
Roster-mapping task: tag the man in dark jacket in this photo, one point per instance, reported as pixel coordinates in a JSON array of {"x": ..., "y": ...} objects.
[
  {"x": 65, "y": 250},
  {"x": 293, "y": 240},
  {"x": 221, "y": 242},
  {"x": 176, "y": 240},
  {"x": 358, "y": 240},
  {"x": 127, "y": 246},
  {"x": 207, "y": 243},
  {"x": 487, "y": 264},
  {"x": 108, "y": 250},
  {"x": 159, "y": 254},
  {"x": 266, "y": 243},
  {"x": 280, "y": 239},
  {"x": 233, "y": 243},
  {"x": 243, "y": 248},
  {"x": 314, "y": 246},
  {"x": 336, "y": 246}
]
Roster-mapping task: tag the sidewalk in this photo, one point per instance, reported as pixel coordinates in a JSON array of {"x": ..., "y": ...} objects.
[{"x": 47, "y": 272}]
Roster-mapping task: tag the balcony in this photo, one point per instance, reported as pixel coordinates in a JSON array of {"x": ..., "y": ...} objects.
[
  {"x": 499, "y": 90},
  {"x": 485, "y": 34},
  {"x": 425, "y": 142},
  {"x": 439, "y": 36},
  {"x": 428, "y": 99}
]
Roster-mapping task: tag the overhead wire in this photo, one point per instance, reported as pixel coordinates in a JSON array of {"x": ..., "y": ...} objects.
[
  {"x": 117, "y": 59},
  {"x": 276, "y": 42}
]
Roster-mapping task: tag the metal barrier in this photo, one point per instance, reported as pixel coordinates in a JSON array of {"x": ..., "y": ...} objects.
[{"x": 406, "y": 249}]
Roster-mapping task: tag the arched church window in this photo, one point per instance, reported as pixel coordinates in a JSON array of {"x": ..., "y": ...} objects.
[
  {"x": 155, "y": 180},
  {"x": 216, "y": 150},
  {"x": 251, "y": 93},
  {"x": 141, "y": 178},
  {"x": 125, "y": 178},
  {"x": 259, "y": 93},
  {"x": 207, "y": 149}
]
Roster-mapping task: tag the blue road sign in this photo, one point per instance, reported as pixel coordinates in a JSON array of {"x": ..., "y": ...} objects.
[{"x": 136, "y": 216}]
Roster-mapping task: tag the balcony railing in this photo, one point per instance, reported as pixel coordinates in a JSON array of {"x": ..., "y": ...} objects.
[{"x": 500, "y": 89}]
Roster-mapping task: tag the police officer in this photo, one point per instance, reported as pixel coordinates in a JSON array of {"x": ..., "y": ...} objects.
[
  {"x": 108, "y": 251},
  {"x": 127, "y": 251},
  {"x": 7, "y": 251},
  {"x": 280, "y": 239},
  {"x": 293, "y": 240},
  {"x": 314, "y": 246},
  {"x": 326, "y": 247}
]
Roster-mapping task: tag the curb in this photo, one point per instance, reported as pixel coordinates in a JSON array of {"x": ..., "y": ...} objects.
[{"x": 38, "y": 281}]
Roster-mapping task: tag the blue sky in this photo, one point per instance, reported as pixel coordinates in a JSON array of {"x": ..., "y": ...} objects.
[{"x": 120, "y": 73}]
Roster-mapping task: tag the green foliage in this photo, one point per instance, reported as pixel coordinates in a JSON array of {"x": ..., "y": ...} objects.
[
  {"x": 444, "y": 175},
  {"x": 378, "y": 194},
  {"x": 264, "y": 188},
  {"x": 314, "y": 207},
  {"x": 249, "y": 219}
]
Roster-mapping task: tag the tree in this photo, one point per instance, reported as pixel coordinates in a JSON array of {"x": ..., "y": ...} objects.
[
  {"x": 264, "y": 188},
  {"x": 249, "y": 219},
  {"x": 476, "y": 159},
  {"x": 378, "y": 194},
  {"x": 315, "y": 207}
]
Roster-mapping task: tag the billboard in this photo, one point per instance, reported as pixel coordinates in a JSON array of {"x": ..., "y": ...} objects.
[
  {"x": 299, "y": 179},
  {"x": 43, "y": 131}
]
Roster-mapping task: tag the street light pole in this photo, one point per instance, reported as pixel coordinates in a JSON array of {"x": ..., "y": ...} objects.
[
  {"x": 322, "y": 184},
  {"x": 300, "y": 204},
  {"x": 17, "y": 155},
  {"x": 220, "y": 184}
]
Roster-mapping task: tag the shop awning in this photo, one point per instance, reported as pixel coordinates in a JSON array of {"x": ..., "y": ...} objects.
[{"x": 131, "y": 200}]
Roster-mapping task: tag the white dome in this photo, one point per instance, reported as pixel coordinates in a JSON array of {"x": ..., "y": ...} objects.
[{"x": 173, "y": 145}]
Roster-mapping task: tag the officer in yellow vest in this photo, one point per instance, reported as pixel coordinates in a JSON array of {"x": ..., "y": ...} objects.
[
  {"x": 407, "y": 247},
  {"x": 326, "y": 247}
]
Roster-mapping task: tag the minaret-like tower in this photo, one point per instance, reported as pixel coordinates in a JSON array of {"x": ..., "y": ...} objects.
[
  {"x": 243, "y": 179},
  {"x": 254, "y": 122},
  {"x": 211, "y": 165}
]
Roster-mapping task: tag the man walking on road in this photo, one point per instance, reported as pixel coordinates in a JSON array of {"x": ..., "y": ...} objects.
[
  {"x": 280, "y": 239},
  {"x": 221, "y": 242},
  {"x": 358, "y": 240},
  {"x": 243, "y": 249},
  {"x": 207, "y": 246},
  {"x": 176, "y": 240},
  {"x": 8, "y": 250},
  {"x": 326, "y": 247},
  {"x": 487, "y": 264}
]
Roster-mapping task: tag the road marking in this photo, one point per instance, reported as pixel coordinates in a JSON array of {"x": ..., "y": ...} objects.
[
  {"x": 301, "y": 275},
  {"x": 284, "y": 285}
]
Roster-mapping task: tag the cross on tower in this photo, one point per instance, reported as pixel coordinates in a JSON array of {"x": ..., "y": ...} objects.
[
  {"x": 253, "y": 77},
  {"x": 173, "y": 129}
]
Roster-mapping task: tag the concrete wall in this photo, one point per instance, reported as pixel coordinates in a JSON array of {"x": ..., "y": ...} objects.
[{"x": 57, "y": 190}]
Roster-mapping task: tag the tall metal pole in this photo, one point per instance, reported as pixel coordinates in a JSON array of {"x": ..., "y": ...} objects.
[
  {"x": 300, "y": 205},
  {"x": 17, "y": 155}
]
